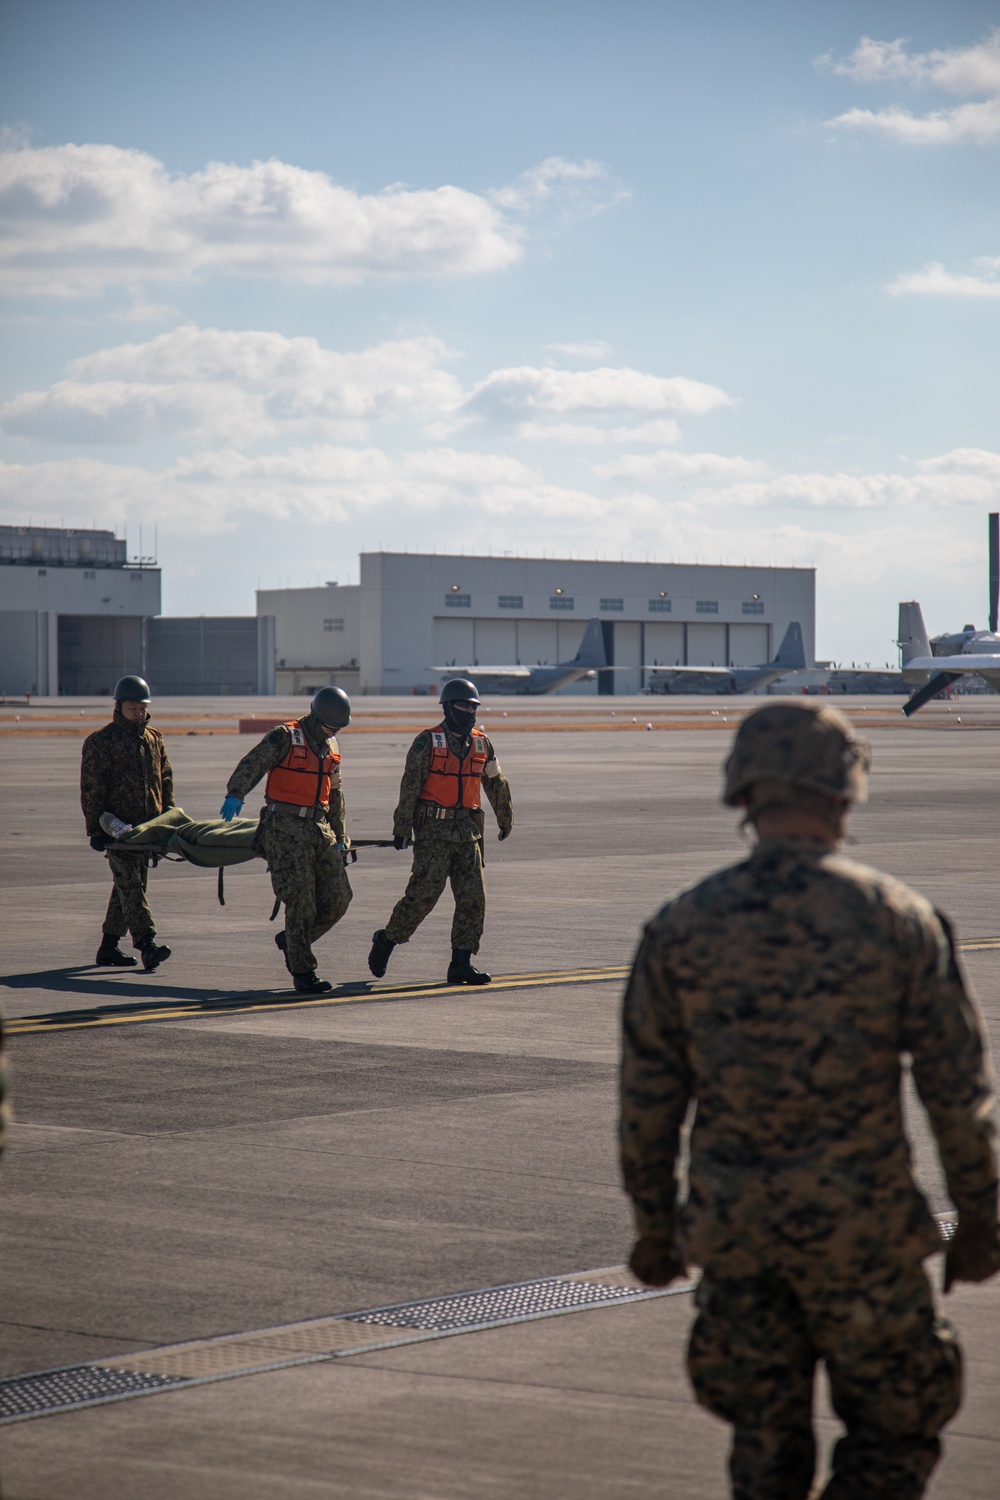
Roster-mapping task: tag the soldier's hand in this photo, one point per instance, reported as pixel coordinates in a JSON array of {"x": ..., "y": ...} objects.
[
  {"x": 230, "y": 809},
  {"x": 100, "y": 842},
  {"x": 654, "y": 1260},
  {"x": 974, "y": 1253},
  {"x": 401, "y": 841},
  {"x": 504, "y": 833}
]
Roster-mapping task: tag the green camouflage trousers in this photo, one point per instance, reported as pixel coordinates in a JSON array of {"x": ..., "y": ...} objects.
[
  {"x": 435, "y": 862},
  {"x": 308, "y": 876},
  {"x": 128, "y": 909},
  {"x": 894, "y": 1370}
]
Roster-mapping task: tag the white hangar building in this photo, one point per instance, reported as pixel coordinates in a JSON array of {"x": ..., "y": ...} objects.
[
  {"x": 413, "y": 612},
  {"x": 72, "y": 610}
]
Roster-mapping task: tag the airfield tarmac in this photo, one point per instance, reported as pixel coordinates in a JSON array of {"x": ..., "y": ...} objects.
[{"x": 251, "y": 1161}]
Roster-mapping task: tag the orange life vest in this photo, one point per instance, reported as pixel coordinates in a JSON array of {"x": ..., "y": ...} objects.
[
  {"x": 302, "y": 778},
  {"x": 452, "y": 782}
]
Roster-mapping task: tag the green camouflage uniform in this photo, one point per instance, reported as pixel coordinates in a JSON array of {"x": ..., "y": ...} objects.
[
  {"x": 125, "y": 771},
  {"x": 778, "y": 996},
  {"x": 445, "y": 850},
  {"x": 307, "y": 869}
]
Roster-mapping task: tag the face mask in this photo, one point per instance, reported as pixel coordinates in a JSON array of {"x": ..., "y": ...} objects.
[{"x": 458, "y": 719}]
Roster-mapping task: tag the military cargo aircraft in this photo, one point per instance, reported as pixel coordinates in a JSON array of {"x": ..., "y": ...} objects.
[
  {"x": 932, "y": 674},
  {"x": 791, "y": 657},
  {"x": 967, "y": 650},
  {"x": 520, "y": 678}
]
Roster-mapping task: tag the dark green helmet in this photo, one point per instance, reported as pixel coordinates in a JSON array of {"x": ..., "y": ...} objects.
[
  {"x": 459, "y": 690},
  {"x": 132, "y": 690},
  {"x": 332, "y": 707}
]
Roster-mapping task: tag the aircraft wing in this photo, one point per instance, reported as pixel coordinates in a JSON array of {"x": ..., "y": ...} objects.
[
  {"x": 514, "y": 673},
  {"x": 685, "y": 671},
  {"x": 983, "y": 662},
  {"x": 941, "y": 671}
]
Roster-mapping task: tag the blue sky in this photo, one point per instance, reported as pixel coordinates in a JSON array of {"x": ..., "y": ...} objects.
[{"x": 643, "y": 279}]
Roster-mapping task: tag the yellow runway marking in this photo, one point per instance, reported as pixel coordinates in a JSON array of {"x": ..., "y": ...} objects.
[
  {"x": 351, "y": 994},
  {"x": 130, "y": 1014}
]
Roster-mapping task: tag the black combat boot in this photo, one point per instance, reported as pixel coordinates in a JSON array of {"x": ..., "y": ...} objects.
[
  {"x": 378, "y": 958},
  {"x": 153, "y": 954},
  {"x": 460, "y": 970},
  {"x": 310, "y": 984},
  {"x": 281, "y": 941},
  {"x": 110, "y": 956}
]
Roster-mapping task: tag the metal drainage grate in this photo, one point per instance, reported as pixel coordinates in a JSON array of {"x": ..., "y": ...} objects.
[
  {"x": 498, "y": 1305},
  {"x": 79, "y": 1385}
]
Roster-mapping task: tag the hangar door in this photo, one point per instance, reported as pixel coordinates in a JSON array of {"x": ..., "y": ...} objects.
[
  {"x": 749, "y": 645},
  {"x": 664, "y": 644},
  {"x": 453, "y": 643},
  {"x": 707, "y": 646}
]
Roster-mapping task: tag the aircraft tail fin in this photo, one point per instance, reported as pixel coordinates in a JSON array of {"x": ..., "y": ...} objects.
[
  {"x": 912, "y": 632},
  {"x": 792, "y": 651},
  {"x": 591, "y": 652}
]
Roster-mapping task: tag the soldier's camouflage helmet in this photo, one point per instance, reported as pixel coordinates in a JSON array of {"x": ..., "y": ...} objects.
[
  {"x": 332, "y": 707},
  {"x": 132, "y": 690},
  {"x": 805, "y": 745},
  {"x": 459, "y": 690}
]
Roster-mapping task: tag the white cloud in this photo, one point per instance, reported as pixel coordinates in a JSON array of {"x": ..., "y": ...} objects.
[
  {"x": 974, "y": 124},
  {"x": 579, "y": 187},
  {"x": 663, "y": 430},
  {"x": 959, "y": 71},
  {"x": 215, "y": 491},
  {"x": 666, "y": 465},
  {"x": 965, "y": 476},
  {"x": 234, "y": 387},
  {"x": 519, "y": 394},
  {"x": 79, "y": 219},
  {"x": 594, "y": 349},
  {"x": 935, "y": 281}
]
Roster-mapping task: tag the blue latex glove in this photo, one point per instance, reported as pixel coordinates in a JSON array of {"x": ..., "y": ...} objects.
[{"x": 231, "y": 808}]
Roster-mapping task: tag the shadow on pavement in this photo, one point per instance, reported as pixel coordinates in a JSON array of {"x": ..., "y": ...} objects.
[{"x": 145, "y": 989}]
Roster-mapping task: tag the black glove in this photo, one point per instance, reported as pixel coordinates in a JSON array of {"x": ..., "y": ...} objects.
[
  {"x": 504, "y": 833},
  {"x": 100, "y": 842},
  {"x": 401, "y": 841},
  {"x": 654, "y": 1260},
  {"x": 973, "y": 1254}
]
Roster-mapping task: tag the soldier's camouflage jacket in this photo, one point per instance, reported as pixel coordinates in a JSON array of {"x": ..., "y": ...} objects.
[
  {"x": 271, "y": 751},
  {"x": 464, "y": 828},
  {"x": 124, "y": 771},
  {"x": 778, "y": 995}
]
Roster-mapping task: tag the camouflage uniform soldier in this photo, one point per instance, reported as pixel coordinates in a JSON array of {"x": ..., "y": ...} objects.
[
  {"x": 776, "y": 998},
  {"x": 439, "y": 805},
  {"x": 301, "y": 833},
  {"x": 125, "y": 778}
]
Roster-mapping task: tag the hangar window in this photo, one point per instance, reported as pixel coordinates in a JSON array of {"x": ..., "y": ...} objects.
[
  {"x": 333, "y": 624},
  {"x": 706, "y": 606},
  {"x": 136, "y": 577},
  {"x": 661, "y": 606},
  {"x": 458, "y": 601},
  {"x": 42, "y": 572},
  {"x": 753, "y": 606},
  {"x": 510, "y": 601},
  {"x": 89, "y": 573},
  {"x": 561, "y": 601},
  {"x": 612, "y": 605}
]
